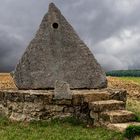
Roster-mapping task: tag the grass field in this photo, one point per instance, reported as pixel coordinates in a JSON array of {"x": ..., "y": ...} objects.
[
  {"x": 55, "y": 130},
  {"x": 68, "y": 129},
  {"x": 132, "y": 79}
]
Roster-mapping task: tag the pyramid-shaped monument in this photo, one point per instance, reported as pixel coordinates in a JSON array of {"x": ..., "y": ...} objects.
[{"x": 57, "y": 53}]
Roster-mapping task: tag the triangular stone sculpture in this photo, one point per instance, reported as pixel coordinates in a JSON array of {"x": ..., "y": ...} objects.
[{"x": 57, "y": 53}]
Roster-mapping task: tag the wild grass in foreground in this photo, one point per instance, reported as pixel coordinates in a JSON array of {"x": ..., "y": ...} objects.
[{"x": 67, "y": 129}]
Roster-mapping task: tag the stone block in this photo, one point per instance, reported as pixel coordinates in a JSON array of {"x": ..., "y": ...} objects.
[
  {"x": 118, "y": 94},
  {"x": 33, "y": 107},
  {"x": 15, "y": 106},
  {"x": 118, "y": 116},
  {"x": 15, "y": 97},
  {"x": 62, "y": 90},
  {"x": 95, "y": 96},
  {"x": 68, "y": 110},
  {"x": 54, "y": 108},
  {"x": 108, "y": 105}
]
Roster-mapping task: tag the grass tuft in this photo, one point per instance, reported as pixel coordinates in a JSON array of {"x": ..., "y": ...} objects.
[{"x": 132, "y": 131}]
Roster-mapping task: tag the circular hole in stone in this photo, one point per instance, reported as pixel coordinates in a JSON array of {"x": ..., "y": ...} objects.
[{"x": 55, "y": 25}]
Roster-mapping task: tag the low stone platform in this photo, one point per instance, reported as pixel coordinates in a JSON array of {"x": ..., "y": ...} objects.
[
  {"x": 95, "y": 107},
  {"x": 27, "y": 105}
]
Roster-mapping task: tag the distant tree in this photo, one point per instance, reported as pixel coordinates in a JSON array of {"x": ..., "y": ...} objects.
[{"x": 125, "y": 73}]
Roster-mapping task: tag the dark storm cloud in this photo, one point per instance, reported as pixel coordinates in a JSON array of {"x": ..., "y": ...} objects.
[
  {"x": 111, "y": 28},
  {"x": 9, "y": 51}
]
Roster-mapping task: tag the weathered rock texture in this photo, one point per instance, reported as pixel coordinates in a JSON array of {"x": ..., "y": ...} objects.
[
  {"x": 27, "y": 105},
  {"x": 57, "y": 53},
  {"x": 62, "y": 90}
]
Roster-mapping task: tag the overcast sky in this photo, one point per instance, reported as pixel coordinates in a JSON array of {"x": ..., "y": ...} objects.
[{"x": 110, "y": 28}]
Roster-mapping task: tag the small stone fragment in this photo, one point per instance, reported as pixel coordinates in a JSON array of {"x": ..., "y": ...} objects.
[{"x": 62, "y": 90}]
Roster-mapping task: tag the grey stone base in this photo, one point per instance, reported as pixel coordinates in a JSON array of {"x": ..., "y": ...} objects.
[{"x": 28, "y": 105}]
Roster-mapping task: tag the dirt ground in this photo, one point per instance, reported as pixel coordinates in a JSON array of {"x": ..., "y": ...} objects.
[
  {"x": 6, "y": 81},
  {"x": 132, "y": 87}
]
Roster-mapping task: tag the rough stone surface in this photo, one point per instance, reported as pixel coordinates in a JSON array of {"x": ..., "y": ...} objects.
[
  {"x": 82, "y": 96},
  {"x": 117, "y": 94},
  {"x": 95, "y": 96},
  {"x": 57, "y": 53},
  {"x": 107, "y": 105},
  {"x": 62, "y": 90},
  {"x": 28, "y": 105},
  {"x": 118, "y": 116}
]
